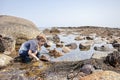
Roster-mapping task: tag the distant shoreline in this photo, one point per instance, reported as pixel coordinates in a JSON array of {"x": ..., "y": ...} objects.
[{"x": 42, "y": 28}]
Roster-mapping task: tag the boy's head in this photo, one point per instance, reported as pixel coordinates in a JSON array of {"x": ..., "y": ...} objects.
[{"x": 41, "y": 39}]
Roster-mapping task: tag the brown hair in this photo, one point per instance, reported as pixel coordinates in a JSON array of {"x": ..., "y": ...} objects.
[{"x": 41, "y": 36}]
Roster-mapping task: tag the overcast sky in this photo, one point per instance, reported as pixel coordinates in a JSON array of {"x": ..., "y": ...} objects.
[{"x": 50, "y": 13}]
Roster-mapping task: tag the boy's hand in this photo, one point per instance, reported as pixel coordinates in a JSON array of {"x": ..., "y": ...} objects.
[{"x": 37, "y": 59}]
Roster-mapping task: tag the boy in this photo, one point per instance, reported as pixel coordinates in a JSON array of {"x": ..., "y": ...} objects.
[{"x": 30, "y": 49}]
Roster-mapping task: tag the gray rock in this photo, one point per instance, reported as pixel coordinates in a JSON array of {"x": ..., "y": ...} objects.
[{"x": 87, "y": 69}]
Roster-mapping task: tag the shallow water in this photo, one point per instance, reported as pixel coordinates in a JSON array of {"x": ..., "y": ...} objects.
[{"x": 73, "y": 55}]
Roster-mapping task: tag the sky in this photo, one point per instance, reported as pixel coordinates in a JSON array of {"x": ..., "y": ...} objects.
[{"x": 65, "y": 13}]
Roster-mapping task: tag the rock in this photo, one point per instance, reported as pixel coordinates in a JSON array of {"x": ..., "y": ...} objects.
[
  {"x": 59, "y": 44},
  {"x": 46, "y": 31},
  {"x": 37, "y": 64},
  {"x": 17, "y": 77},
  {"x": 89, "y": 38},
  {"x": 102, "y": 75},
  {"x": 2, "y": 48},
  {"x": 4, "y": 60},
  {"x": 48, "y": 44},
  {"x": 66, "y": 49},
  {"x": 49, "y": 38},
  {"x": 105, "y": 47},
  {"x": 71, "y": 75},
  {"x": 79, "y": 38},
  {"x": 12, "y": 77},
  {"x": 72, "y": 45},
  {"x": 116, "y": 46},
  {"x": 56, "y": 38},
  {"x": 19, "y": 28},
  {"x": 100, "y": 54},
  {"x": 7, "y": 44},
  {"x": 113, "y": 59},
  {"x": 87, "y": 69},
  {"x": 45, "y": 57},
  {"x": 55, "y": 53},
  {"x": 113, "y": 39},
  {"x": 54, "y": 30},
  {"x": 99, "y": 40},
  {"x": 85, "y": 45}
]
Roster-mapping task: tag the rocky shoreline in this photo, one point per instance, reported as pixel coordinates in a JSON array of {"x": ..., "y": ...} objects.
[{"x": 99, "y": 45}]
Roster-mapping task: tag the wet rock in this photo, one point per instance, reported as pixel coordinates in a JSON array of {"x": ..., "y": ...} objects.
[
  {"x": 66, "y": 49},
  {"x": 105, "y": 47},
  {"x": 45, "y": 57},
  {"x": 102, "y": 75},
  {"x": 48, "y": 44},
  {"x": 59, "y": 44},
  {"x": 85, "y": 45},
  {"x": 72, "y": 45},
  {"x": 89, "y": 38},
  {"x": 5, "y": 60},
  {"x": 113, "y": 59},
  {"x": 55, "y": 53}
]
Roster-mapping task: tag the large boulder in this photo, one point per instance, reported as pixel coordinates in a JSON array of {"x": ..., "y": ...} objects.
[{"x": 19, "y": 28}]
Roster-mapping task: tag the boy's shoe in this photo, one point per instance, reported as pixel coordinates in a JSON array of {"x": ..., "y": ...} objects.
[{"x": 18, "y": 59}]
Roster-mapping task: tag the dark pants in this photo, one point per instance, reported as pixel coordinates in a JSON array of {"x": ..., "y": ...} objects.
[{"x": 25, "y": 57}]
